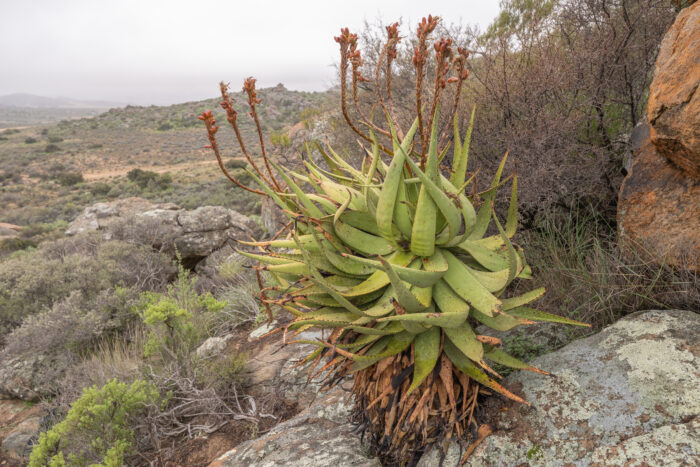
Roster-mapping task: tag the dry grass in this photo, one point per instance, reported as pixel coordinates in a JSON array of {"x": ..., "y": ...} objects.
[{"x": 577, "y": 258}]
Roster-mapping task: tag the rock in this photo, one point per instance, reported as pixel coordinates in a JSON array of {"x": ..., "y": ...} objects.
[
  {"x": 18, "y": 442},
  {"x": 273, "y": 369},
  {"x": 262, "y": 330},
  {"x": 272, "y": 217},
  {"x": 319, "y": 436},
  {"x": 674, "y": 100},
  {"x": 193, "y": 234},
  {"x": 19, "y": 428},
  {"x": 659, "y": 201},
  {"x": 637, "y": 138},
  {"x": 29, "y": 377},
  {"x": 629, "y": 395},
  {"x": 659, "y": 210},
  {"x": 213, "y": 346},
  {"x": 209, "y": 265},
  {"x": 88, "y": 220}
]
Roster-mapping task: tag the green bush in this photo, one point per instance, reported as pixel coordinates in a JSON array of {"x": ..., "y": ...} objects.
[
  {"x": 98, "y": 430},
  {"x": 30, "y": 140},
  {"x": 234, "y": 164},
  {"x": 177, "y": 321},
  {"x": 151, "y": 180},
  {"x": 69, "y": 178},
  {"x": 280, "y": 139},
  {"x": 55, "y": 139},
  {"x": 100, "y": 188}
]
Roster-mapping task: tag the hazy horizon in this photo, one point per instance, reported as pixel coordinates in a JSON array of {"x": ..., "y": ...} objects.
[{"x": 161, "y": 53}]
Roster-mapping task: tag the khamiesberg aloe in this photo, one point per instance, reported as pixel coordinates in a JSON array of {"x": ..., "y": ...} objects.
[{"x": 393, "y": 259}]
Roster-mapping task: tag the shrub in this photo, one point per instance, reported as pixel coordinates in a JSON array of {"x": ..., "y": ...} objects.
[
  {"x": 51, "y": 148},
  {"x": 241, "y": 308},
  {"x": 34, "y": 281},
  {"x": 177, "y": 321},
  {"x": 8, "y": 176},
  {"x": 147, "y": 179},
  {"x": 60, "y": 337},
  {"x": 32, "y": 235},
  {"x": 30, "y": 140},
  {"x": 12, "y": 244},
  {"x": 74, "y": 323},
  {"x": 69, "y": 178},
  {"x": 280, "y": 139},
  {"x": 55, "y": 139},
  {"x": 100, "y": 188},
  {"x": 234, "y": 164},
  {"x": 99, "y": 428},
  {"x": 203, "y": 392}
]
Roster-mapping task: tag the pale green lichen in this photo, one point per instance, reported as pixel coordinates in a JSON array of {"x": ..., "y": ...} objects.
[
  {"x": 658, "y": 369},
  {"x": 667, "y": 445}
]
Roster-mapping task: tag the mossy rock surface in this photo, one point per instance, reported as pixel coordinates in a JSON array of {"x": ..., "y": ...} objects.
[{"x": 627, "y": 394}]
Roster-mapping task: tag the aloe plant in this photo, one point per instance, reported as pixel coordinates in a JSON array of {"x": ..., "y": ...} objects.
[{"x": 393, "y": 259}]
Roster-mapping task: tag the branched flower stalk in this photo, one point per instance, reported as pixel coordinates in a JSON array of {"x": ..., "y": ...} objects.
[
  {"x": 420, "y": 58},
  {"x": 393, "y": 261}
]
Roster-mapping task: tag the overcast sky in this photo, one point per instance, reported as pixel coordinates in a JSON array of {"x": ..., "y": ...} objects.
[{"x": 168, "y": 51}]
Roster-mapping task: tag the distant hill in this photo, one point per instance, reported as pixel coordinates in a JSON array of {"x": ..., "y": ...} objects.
[
  {"x": 23, "y": 109},
  {"x": 32, "y": 101}
]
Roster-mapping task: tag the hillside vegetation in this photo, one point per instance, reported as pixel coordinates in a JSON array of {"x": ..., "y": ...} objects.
[{"x": 48, "y": 174}]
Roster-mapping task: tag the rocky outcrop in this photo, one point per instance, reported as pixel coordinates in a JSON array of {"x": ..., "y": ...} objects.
[
  {"x": 30, "y": 377},
  {"x": 629, "y": 395},
  {"x": 659, "y": 201},
  {"x": 318, "y": 436},
  {"x": 658, "y": 210},
  {"x": 273, "y": 368},
  {"x": 19, "y": 442},
  {"x": 674, "y": 98},
  {"x": 193, "y": 234},
  {"x": 19, "y": 429}
]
